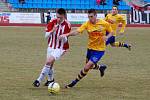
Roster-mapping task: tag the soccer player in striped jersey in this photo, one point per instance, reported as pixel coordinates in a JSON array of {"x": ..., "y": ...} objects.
[
  {"x": 56, "y": 47},
  {"x": 96, "y": 29}
]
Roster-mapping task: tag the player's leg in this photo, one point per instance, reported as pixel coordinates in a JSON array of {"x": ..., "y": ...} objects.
[
  {"x": 113, "y": 43},
  {"x": 88, "y": 55},
  {"x": 52, "y": 55},
  {"x": 50, "y": 76},
  {"x": 101, "y": 68},
  {"x": 47, "y": 68},
  {"x": 57, "y": 53},
  {"x": 109, "y": 39},
  {"x": 82, "y": 74},
  {"x": 121, "y": 44},
  {"x": 94, "y": 58},
  {"x": 45, "y": 71}
]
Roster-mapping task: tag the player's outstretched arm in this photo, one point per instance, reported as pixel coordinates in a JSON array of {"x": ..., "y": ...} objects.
[{"x": 72, "y": 33}]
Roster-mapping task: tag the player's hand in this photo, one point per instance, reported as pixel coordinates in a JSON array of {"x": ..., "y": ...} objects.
[{"x": 62, "y": 37}]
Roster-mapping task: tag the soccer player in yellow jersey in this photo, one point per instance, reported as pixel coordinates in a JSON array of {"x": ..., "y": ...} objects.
[
  {"x": 115, "y": 19},
  {"x": 96, "y": 29}
]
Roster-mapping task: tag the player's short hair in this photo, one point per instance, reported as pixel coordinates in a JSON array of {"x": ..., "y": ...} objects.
[
  {"x": 92, "y": 11},
  {"x": 61, "y": 11},
  {"x": 115, "y": 7}
]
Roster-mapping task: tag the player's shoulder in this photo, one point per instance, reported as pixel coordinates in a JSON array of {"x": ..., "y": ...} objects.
[
  {"x": 102, "y": 21},
  {"x": 86, "y": 23},
  {"x": 119, "y": 15},
  {"x": 67, "y": 23},
  {"x": 53, "y": 20},
  {"x": 109, "y": 15}
]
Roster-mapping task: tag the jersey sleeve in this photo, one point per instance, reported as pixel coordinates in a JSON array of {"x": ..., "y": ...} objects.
[
  {"x": 50, "y": 26},
  {"x": 82, "y": 27},
  {"x": 68, "y": 27}
]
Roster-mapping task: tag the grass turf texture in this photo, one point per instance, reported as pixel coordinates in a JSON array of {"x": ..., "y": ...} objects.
[{"x": 23, "y": 53}]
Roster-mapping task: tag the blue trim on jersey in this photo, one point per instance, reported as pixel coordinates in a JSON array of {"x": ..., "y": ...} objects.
[{"x": 94, "y": 55}]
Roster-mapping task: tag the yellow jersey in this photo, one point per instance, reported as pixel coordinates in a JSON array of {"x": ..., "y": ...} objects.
[
  {"x": 96, "y": 32},
  {"x": 115, "y": 20}
]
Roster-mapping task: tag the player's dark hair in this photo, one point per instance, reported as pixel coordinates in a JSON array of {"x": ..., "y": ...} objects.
[
  {"x": 61, "y": 11},
  {"x": 92, "y": 11},
  {"x": 115, "y": 7}
]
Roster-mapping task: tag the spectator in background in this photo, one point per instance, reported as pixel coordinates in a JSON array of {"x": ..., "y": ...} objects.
[
  {"x": 101, "y": 2},
  {"x": 48, "y": 16},
  {"x": 116, "y": 2},
  {"x": 4, "y": 1}
]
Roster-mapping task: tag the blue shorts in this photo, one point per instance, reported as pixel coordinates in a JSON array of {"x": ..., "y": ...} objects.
[
  {"x": 94, "y": 55},
  {"x": 110, "y": 40}
]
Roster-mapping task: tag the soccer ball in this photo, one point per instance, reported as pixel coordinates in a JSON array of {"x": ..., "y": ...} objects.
[{"x": 53, "y": 88}]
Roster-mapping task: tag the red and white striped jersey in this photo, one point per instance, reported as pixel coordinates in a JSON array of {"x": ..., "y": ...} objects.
[{"x": 62, "y": 28}]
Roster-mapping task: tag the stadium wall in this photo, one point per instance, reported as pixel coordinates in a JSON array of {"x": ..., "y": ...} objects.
[
  {"x": 73, "y": 25},
  {"x": 136, "y": 19}
]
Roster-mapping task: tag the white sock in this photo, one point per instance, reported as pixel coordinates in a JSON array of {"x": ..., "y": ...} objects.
[
  {"x": 51, "y": 74},
  {"x": 44, "y": 72}
]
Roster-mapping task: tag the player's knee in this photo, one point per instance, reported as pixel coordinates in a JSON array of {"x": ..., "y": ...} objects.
[
  {"x": 50, "y": 62},
  {"x": 88, "y": 67}
]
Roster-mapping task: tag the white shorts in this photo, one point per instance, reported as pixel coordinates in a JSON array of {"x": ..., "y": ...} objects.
[{"x": 56, "y": 53}]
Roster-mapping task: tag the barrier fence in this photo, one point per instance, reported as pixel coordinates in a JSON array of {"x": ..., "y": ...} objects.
[{"x": 136, "y": 17}]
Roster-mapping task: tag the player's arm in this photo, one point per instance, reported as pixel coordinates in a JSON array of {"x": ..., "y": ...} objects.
[
  {"x": 51, "y": 27},
  {"x": 123, "y": 21},
  {"x": 66, "y": 31},
  {"x": 74, "y": 32},
  {"x": 79, "y": 30}
]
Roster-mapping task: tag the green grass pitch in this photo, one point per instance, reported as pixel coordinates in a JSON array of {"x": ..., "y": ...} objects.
[{"x": 23, "y": 53}]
